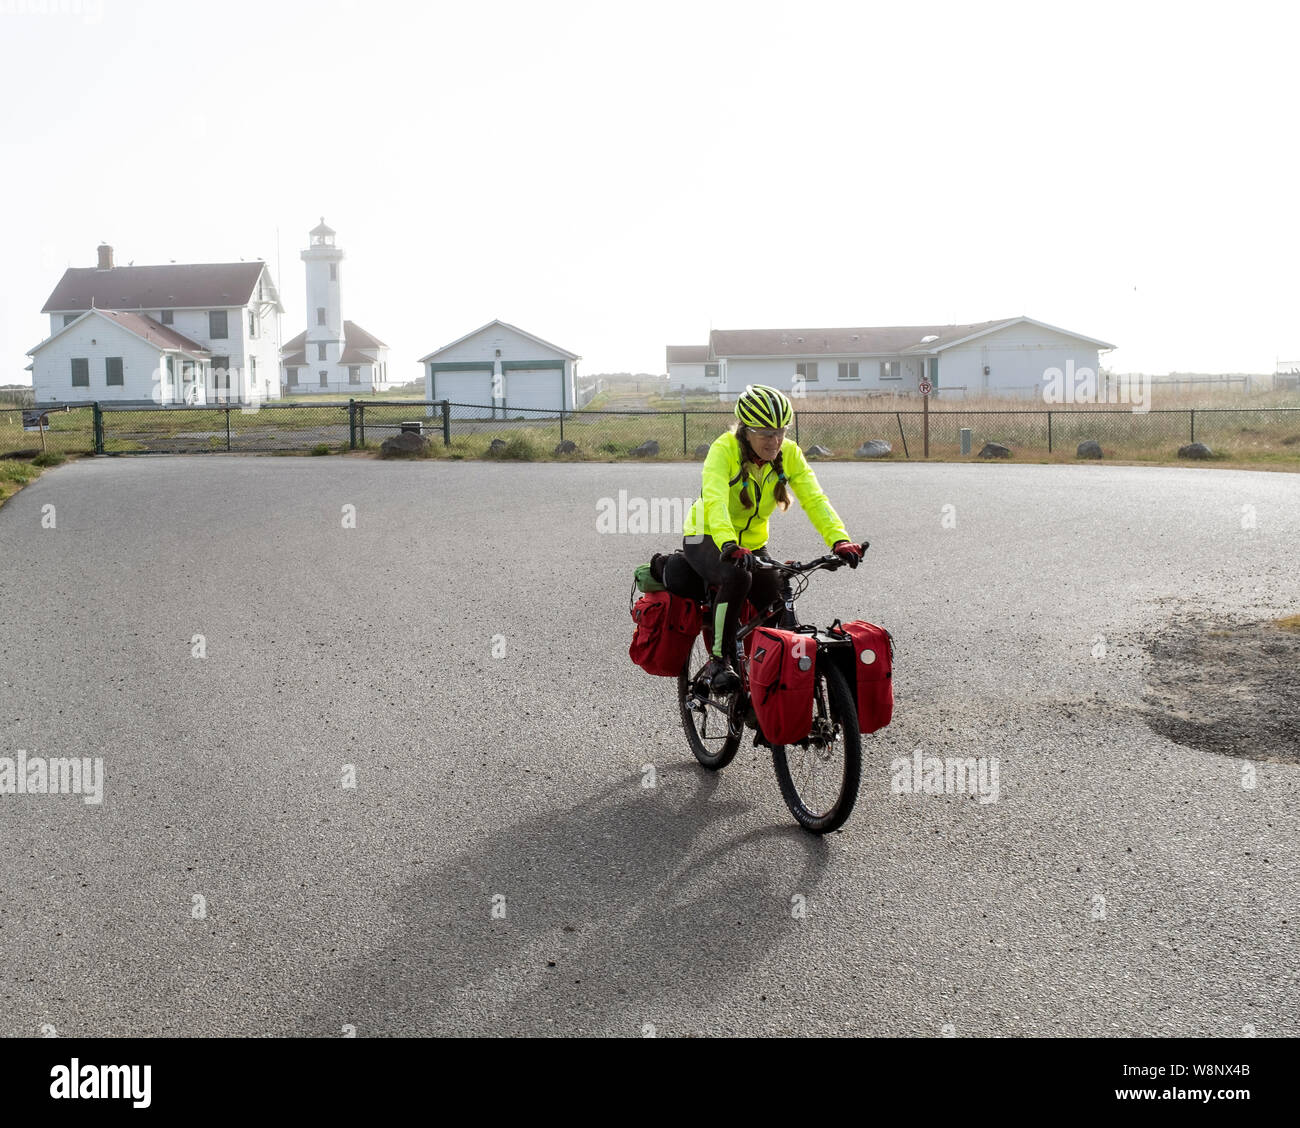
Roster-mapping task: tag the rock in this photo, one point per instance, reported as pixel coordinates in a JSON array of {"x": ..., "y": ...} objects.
[
  {"x": 645, "y": 450},
  {"x": 817, "y": 451},
  {"x": 702, "y": 451},
  {"x": 995, "y": 450},
  {"x": 404, "y": 442},
  {"x": 496, "y": 446},
  {"x": 1089, "y": 448},
  {"x": 1195, "y": 450},
  {"x": 568, "y": 446},
  {"x": 874, "y": 448}
]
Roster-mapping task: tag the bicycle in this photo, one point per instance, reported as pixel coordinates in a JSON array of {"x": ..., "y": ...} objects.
[{"x": 812, "y": 765}]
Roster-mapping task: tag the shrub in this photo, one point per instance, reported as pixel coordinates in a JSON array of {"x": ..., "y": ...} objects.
[
  {"x": 49, "y": 458},
  {"x": 321, "y": 448}
]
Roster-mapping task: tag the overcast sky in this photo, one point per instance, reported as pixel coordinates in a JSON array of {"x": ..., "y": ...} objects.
[{"x": 616, "y": 177}]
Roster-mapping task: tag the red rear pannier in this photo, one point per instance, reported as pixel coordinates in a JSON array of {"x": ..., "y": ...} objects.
[
  {"x": 782, "y": 670},
  {"x": 873, "y": 659},
  {"x": 666, "y": 626}
]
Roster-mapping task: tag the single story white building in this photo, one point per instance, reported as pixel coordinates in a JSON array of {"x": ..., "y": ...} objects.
[
  {"x": 500, "y": 371},
  {"x": 689, "y": 368},
  {"x": 987, "y": 358}
]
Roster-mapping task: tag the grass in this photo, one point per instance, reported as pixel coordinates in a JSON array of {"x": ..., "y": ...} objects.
[
  {"x": 16, "y": 473},
  {"x": 1290, "y": 623}
]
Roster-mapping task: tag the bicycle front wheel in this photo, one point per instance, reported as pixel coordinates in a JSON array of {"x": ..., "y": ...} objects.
[{"x": 819, "y": 783}]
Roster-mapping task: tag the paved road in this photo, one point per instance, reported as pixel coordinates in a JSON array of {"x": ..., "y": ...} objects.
[{"x": 518, "y": 781}]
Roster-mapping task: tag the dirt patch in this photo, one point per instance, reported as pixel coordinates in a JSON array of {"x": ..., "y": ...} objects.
[{"x": 1227, "y": 687}]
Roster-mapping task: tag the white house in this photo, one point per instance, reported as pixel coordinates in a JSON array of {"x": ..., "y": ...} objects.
[
  {"x": 689, "y": 368},
  {"x": 331, "y": 355},
  {"x": 174, "y": 334},
  {"x": 995, "y": 358},
  {"x": 499, "y": 371}
]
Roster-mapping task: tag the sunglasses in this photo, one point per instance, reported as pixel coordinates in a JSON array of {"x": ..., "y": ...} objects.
[{"x": 767, "y": 432}]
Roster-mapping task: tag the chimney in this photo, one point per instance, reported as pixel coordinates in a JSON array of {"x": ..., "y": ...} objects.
[{"x": 105, "y": 257}]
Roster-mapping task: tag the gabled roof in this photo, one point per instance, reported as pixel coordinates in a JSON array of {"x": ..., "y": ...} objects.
[
  {"x": 504, "y": 325},
  {"x": 175, "y": 286},
  {"x": 162, "y": 337},
  {"x": 354, "y": 338},
  {"x": 688, "y": 354},
  {"x": 869, "y": 341}
]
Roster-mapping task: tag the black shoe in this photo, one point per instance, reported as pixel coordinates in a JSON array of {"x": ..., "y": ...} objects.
[{"x": 720, "y": 677}]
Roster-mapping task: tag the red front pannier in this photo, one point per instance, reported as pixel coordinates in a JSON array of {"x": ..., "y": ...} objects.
[
  {"x": 666, "y": 626},
  {"x": 873, "y": 660},
  {"x": 782, "y": 671}
]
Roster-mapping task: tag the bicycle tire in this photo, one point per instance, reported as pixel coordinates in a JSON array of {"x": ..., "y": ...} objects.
[
  {"x": 713, "y": 760},
  {"x": 843, "y": 712}
]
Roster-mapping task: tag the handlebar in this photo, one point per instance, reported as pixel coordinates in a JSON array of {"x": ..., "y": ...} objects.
[{"x": 830, "y": 561}]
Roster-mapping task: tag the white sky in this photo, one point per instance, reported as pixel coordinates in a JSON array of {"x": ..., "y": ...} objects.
[{"x": 616, "y": 177}]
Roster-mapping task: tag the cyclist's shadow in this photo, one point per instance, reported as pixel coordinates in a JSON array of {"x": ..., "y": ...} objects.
[{"x": 597, "y": 919}]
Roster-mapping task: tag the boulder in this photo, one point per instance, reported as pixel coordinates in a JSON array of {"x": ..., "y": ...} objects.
[
  {"x": 874, "y": 448},
  {"x": 1089, "y": 448},
  {"x": 995, "y": 450},
  {"x": 568, "y": 446},
  {"x": 496, "y": 446},
  {"x": 403, "y": 443},
  {"x": 1195, "y": 450},
  {"x": 702, "y": 451},
  {"x": 645, "y": 450},
  {"x": 817, "y": 451}
]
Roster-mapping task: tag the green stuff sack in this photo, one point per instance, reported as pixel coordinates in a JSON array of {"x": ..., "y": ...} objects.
[{"x": 645, "y": 582}]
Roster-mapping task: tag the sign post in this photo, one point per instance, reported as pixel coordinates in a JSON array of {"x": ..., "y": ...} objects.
[
  {"x": 925, "y": 389},
  {"x": 36, "y": 421}
]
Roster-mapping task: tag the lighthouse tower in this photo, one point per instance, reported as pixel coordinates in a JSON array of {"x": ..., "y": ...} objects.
[{"x": 324, "y": 306}]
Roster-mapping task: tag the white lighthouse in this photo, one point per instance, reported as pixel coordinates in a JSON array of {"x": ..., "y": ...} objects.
[{"x": 332, "y": 355}]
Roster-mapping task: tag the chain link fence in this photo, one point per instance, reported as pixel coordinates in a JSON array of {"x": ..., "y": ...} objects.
[{"x": 469, "y": 430}]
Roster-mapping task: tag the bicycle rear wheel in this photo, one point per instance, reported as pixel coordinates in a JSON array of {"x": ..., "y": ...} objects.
[
  {"x": 713, "y": 729},
  {"x": 819, "y": 783}
]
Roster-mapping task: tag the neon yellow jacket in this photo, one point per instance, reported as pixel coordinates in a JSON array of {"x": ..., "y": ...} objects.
[{"x": 718, "y": 512}]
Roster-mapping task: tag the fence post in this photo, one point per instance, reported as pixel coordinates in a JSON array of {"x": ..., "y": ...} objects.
[
  {"x": 227, "y": 430},
  {"x": 796, "y": 428},
  {"x": 98, "y": 427},
  {"x": 561, "y": 424},
  {"x": 899, "y": 416},
  {"x": 361, "y": 422},
  {"x": 352, "y": 424},
  {"x": 1193, "y": 414},
  {"x": 683, "y": 432},
  {"x": 1049, "y": 432},
  {"x": 446, "y": 423}
]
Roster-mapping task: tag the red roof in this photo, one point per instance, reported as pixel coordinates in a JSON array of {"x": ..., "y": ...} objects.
[{"x": 186, "y": 286}]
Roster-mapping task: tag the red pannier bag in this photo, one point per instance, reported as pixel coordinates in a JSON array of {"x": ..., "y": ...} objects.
[
  {"x": 873, "y": 659},
  {"x": 782, "y": 671},
  {"x": 666, "y": 626}
]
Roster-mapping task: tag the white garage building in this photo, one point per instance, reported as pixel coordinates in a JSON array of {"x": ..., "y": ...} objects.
[
  {"x": 499, "y": 371},
  {"x": 989, "y": 358}
]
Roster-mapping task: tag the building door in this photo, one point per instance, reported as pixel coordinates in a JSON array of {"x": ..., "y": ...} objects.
[{"x": 934, "y": 372}]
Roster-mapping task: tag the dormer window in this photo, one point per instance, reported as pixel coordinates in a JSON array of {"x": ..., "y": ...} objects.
[{"x": 165, "y": 316}]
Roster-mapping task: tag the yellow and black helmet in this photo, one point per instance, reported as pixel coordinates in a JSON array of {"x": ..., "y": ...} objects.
[{"x": 761, "y": 406}]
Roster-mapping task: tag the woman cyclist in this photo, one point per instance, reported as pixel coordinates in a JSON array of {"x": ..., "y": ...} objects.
[{"x": 746, "y": 474}]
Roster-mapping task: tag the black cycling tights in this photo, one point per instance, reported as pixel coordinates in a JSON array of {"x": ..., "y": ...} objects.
[{"x": 735, "y": 586}]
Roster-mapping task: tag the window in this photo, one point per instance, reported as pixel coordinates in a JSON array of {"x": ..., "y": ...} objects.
[
  {"x": 807, "y": 370},
  {"x": 320, "y": 315},
  {"x": 165, "y": 317},
  {"x": 252, "y": 371},
  {"x": 334, "y": 272},
  {"x": 320, "y": 352},
  {"x": 354, "y": 375},
  {"x": 293, "y": 377},
  {"x": 69, "y": 318},
  {"x": 889, "y": 370},
  {"x": 217, "y": 326},
  {"x": 113, "y": 371},
  {"x": 171, "y": 373},
  {"x": 324, "y": 379},
  {"x": 252, "y": 323},
  {"x": 710, "y": 371},
  {"x": 80, "y": 372},
  {"x": 221, "y": 372},
  {"x": 848, "y": 370}
]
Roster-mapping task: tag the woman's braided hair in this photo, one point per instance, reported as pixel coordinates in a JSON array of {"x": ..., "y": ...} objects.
[{"x": 748, "y": 457}]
